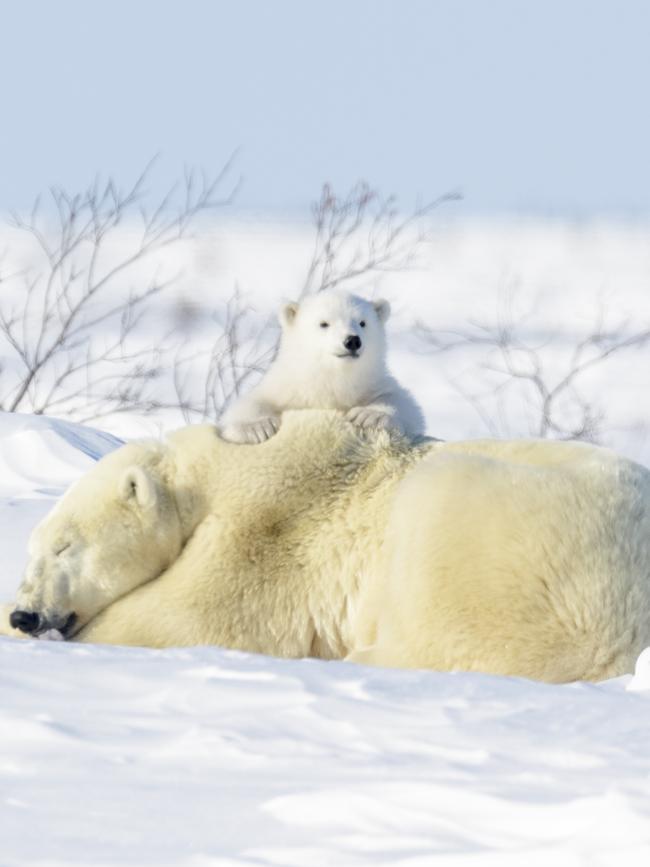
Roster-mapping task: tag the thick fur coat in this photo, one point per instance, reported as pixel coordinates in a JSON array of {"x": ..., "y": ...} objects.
[{"x": 525, "y": 558}]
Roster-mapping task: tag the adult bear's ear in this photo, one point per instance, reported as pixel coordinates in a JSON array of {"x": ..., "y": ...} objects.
[
  {"x": 382, "y": 309},
  {"x": 288, "y": 313},
  {"x": 137, "y": 485}
]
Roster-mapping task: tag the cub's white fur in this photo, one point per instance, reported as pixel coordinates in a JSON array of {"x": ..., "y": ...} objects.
[{"x": 332, "y": 356}]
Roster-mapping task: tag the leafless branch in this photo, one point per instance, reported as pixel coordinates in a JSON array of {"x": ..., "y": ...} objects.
[
  {"x": 240, "y": 352},
  {"x": 362, "y": 233},
  {"x": 538, "y": 374},
  {"x": 57, "y": 335}
]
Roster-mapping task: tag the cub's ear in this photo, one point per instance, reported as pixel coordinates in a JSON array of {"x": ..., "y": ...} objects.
[
  {"x": 382, "y": 309},
  {"x": 138, "y": 485},
  {"x": 288, "y": 313}
]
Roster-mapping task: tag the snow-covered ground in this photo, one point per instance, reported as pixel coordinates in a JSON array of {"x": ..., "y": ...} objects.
[{"x": 206, "y": 757}]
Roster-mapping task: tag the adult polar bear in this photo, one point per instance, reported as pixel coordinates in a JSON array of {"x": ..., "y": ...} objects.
[{"x": 524, "y": 558}]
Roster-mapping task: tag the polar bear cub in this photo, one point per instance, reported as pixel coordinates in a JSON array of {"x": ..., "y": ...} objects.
[{"x": 332, "y": 355}]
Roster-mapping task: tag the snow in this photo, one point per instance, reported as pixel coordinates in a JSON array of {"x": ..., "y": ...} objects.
[
  {"x": 641, "y": 679},
  {"x": 207, "y": 757}
]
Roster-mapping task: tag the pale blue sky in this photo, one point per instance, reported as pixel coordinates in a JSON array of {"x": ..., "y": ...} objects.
[{"x": 526, "y": 105}]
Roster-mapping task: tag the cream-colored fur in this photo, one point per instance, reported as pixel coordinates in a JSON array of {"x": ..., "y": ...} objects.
[{"x": 524, "y": 558}]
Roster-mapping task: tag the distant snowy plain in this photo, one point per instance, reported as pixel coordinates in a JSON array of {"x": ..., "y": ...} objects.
[{"x": 207, "y": 757}]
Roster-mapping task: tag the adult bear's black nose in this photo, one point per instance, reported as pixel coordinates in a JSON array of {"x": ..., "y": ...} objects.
[
  {"x": 352, "y": 343},
  {"x": 26, "y": 621}
]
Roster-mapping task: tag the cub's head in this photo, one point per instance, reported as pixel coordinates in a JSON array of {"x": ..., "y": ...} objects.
[
  {"x": 115, "y": 529},
  {"x": 334, "y": 328}
]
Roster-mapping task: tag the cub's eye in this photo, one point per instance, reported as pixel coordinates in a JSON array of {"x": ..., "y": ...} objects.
[
  {"x": 362, "y": 323},
  {"x": 61, "y": 549},
  {"x": 324, "y": 325}
]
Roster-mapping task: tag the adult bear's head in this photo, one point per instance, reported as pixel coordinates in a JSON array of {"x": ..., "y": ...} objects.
[{"x": 113, "y": 530}]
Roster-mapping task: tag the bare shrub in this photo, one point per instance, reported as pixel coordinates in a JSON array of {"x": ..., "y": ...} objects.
[
  {"x": 72, "y": 344},
  {"x": 543, "y": 374},
  {"x": 363, "y": 233},
  {"x": 207, "y": 381}
]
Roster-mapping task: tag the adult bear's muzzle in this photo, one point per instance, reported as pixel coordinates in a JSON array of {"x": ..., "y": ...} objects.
[
  {"x": 32, "y": 623},
  {"x": 25, "y": 621}
]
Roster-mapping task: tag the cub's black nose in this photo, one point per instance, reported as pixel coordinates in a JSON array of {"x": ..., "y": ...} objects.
[
  {"x": 352, "y": 343},
  {"x": 26, "y": 621}
]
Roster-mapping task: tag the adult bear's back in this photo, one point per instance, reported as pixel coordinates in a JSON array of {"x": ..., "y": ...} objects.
[{"x": 523, "y": 557}]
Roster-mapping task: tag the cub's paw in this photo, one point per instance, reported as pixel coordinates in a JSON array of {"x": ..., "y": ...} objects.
[
  {"x": 371, "y": 418},
  {"x": 252, "y": 432}
]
